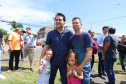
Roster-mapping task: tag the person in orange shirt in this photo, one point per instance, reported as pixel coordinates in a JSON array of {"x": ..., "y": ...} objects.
[{"x": 14, "y": 41}]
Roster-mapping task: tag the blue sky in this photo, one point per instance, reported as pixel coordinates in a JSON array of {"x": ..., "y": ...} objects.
[{"x": 38, "y": 13}]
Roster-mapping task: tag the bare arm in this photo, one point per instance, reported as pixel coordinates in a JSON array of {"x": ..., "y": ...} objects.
[
  {"x": 43, "y": 53},
  {"x": 34, "y": 34},
  {"x": 3, "y": 44},
  {"x": 69, "y": 72},
  {"x": 85, "y": 60},
  {"x": 80, "y": 77},
  {"x": 10, "y": 47},
  {"x": 124, "y": 46},
  {"x": 105, "y": 49},
  {"x": 40, "y": 69}
]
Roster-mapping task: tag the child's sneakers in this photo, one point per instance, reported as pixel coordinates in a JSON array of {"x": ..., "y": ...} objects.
[{"x": 2, "y": 77}]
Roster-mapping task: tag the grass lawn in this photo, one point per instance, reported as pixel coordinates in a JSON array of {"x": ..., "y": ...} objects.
[{"x": 25, "y": 76}]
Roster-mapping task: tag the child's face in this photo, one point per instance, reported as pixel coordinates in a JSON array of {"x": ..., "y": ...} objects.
[
  {"x": 48, "y": 54},
  {"x": 71, "y": 61}
]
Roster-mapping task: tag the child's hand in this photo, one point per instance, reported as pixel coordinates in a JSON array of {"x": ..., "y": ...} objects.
[
  {"x": 42, "y": 62},
  {"x": 41, "y": 66},
  {"x": 70, "y": 72},
  {"x": 75, "y": 73}
]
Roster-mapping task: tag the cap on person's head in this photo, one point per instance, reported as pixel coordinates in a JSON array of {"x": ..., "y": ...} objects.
[{"x": 28, "y": 28}]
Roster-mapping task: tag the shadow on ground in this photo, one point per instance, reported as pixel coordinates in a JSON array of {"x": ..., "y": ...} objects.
[{"x": 5, "y": 68}]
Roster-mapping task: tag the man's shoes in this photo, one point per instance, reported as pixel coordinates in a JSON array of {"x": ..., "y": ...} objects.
[
  {"x": 2, "y": 77},
  {"x": 18, "y": 69},
  {"x": 32, "y": 69},
  {"x": 101, "y": 76},
  {"x": 8, "y": 71},
  {"x": 104, "y": 74}
]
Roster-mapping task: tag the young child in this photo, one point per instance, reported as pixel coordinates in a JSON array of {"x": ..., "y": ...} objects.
[
  {"x": 72, "y": 64},
  {"x": 44, "y": 69}
]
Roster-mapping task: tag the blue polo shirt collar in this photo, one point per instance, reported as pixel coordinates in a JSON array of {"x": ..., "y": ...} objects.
[{"x": 64, "y": 31}]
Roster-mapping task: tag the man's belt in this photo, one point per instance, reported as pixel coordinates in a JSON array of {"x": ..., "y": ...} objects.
[{"x": 33, "y": 47}]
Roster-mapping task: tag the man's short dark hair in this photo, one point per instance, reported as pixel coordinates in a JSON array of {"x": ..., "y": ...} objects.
[
  {"x": 89, "y": 31},
  {"x": 28, "y": 28},
  {"x": 60, "y": 14},
  {"x": 77, "y": 18},
  {"x": 112, "y": 30},
  {"x": 105, "y": 27}
]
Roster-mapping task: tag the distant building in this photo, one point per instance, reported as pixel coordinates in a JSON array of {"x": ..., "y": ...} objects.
[{"x": 42, "y": 32}]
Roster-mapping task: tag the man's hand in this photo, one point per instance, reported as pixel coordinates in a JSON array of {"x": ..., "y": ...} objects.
[
  {"x": 70, "y": 72},
  {"x": 11, "y": 49},
  {"x": 91, "y": 58},
  {"x": 42, "y": 62},
  {"x": 75, "y": 73},
  {"x": 103, "y": 57},
  {"x": 79, "y": 69},
  {"x": 100, "y": 47},
  {"x": 41, "y": 67},
  {"x": 4, "y": 50}
]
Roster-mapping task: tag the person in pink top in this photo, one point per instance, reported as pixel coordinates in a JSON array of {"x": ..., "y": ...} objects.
[{"x": 72, "y": 64}]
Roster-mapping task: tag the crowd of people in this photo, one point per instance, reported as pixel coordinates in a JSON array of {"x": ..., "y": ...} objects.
[{"x": 72, "y": 54}]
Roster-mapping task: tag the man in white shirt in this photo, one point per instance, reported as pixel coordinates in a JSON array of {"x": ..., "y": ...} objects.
[
  {"x": 100, "y": 39},
  {"x": 30, "y": 46}
]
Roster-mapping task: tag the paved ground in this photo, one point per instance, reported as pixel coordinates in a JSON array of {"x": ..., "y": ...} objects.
[{"x": 37, "y": 52}]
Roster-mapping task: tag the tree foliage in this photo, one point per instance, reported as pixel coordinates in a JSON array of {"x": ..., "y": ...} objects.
[
  {"x": 4, "y": 32},
  {"x": 15, "y": 25}
]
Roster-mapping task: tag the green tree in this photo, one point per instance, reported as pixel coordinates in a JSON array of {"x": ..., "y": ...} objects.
[
  {"x": 14, "y": 25},
  {"x": 4, "y": 32}
]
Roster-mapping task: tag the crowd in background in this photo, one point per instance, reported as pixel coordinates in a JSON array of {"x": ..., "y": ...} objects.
[{"x": 72, "y": 54}]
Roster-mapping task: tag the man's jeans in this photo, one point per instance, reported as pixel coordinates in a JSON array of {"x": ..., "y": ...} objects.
[
  {"x": 109, "y": 63},
  {"x": 0, "y": 60},
  {"x": 86, "y": 73},
  {"x": 63, "y": 72},
  {"x": 122, "y": 57},
  {"x": 101, "y": 68}
]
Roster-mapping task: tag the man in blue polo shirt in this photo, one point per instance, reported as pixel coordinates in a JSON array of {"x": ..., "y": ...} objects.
[
  {"x": 82, "y": 44},
  {"x": 58, "y": 39}
]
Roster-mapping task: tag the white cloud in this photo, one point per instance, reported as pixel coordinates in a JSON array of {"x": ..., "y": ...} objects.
[{"x": 20, "y": 11}]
